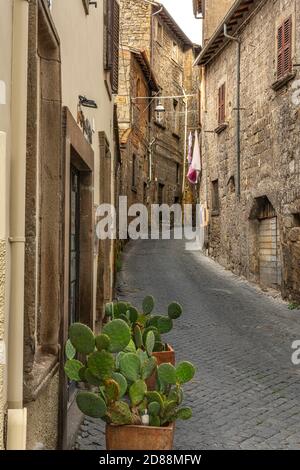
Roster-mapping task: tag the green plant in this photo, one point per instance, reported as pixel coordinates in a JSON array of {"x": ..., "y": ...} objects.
[
  {"x": 294, "y": 306},
  {"x": 116, "y": 379},
  {"x": 141, "y": 323}
]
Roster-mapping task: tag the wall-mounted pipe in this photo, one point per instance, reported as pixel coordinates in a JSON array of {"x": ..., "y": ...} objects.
[
  {"x": 238, "y": 111},
  {"x": 17, "y": 422}
]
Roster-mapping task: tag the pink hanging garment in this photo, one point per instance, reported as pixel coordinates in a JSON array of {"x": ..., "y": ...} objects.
[
  {"x": 195, "y": 167},
  {"x": 190, "y": 149}
]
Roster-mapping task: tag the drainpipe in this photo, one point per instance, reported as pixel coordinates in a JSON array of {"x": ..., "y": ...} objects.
[
  {"x": 238, "y": 110},
  {"x": 17, "y": 416},
  {"x": 185, "y": 142}
]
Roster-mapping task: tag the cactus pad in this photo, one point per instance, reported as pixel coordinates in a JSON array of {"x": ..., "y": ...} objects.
[
  {"x": 154, "y": 408},
  {"x": 130, "y": 366},
  {"x": 167, "y": 374},
  {"x": 148, "y": 304},
  {"x": 101, "y": 364},
  {"x": 112, "y": 390},
  {"x": 137, "y": 392},
  {"x": 185, "y": 371},
  {"x": 154, "y": 396},
  {"x": 148, "y": 367},
  {"x": 109, "y": 309},
  {"x": 154, "y": 421},
  {"x": 72, "y": 368},
  {"x": 132, "y": 314},
  {"x": 174, "y": 310},
  {"x": 164, "y": 324},
  {"x": 91, "y": 404},
  {"x": 184, "y": 413},
  {"x": 120, "y": 379},
  {"x": 70, "y": 351},
  {"x": 119, "y": 334},
  {"x": 138, "y": 336},
  {"x": 102, "y": 342},
  {"x": 90, "y": 378},
  {"x": 119, "y": 413},
  {"x": 82, "y": 338},
  {"x": 158, "y": 346},
  {"x": 150, "y": 342}
]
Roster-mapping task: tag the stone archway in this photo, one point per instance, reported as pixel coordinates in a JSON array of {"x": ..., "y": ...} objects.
[{"x": 265, "y": 243}]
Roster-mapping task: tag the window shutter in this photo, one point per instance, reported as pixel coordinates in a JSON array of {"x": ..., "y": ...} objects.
[
  {"x": 287, "y": 53},
  {"x": 115, "y": 46},
  {"x": 222, "y": 104},
  {"x": 284, "y": 52},
  {"x": 280, "y": 52},
  {"x": 105, "y": 34}
]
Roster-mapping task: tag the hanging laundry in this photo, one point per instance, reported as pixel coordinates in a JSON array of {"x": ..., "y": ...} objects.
[
  {"x": 190, "y": 148},
  {"x": 195, "y": 167}
]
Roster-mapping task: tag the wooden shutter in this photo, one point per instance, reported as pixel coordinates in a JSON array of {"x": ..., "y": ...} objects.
[
  {"x": 222, "y": 104},
  {"x": 284, "y": 48},
  {"x": 115, "y": 46}
]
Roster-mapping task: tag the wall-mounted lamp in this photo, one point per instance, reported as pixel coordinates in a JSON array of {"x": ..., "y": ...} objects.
[{"x": 83, "y": 101}]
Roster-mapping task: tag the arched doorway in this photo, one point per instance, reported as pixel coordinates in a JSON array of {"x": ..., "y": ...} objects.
[{"x": 268, "y": 242}]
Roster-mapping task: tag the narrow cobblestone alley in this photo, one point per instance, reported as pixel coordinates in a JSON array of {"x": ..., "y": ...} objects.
[{"x": 246, "y": 391}]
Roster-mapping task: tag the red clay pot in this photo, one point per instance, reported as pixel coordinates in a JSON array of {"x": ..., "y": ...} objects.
[
  {"x": 139, "y": 437},
  {"x": 162, "y": 358}
]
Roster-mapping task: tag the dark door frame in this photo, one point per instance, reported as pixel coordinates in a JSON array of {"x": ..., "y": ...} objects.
[{"x": 79, "y": 154}]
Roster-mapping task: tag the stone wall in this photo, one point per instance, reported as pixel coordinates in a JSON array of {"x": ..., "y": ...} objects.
[
  {"x": 42, "y": 418},
  {"x": 135, "y": 24},
  {"x": 270, "y": 152},
  {"x": 214, "y": 12}
]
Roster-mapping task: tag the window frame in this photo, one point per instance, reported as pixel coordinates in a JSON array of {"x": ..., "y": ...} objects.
[
  {"x": 215, "y": 197},
  {"x": 222, "y": 104}
]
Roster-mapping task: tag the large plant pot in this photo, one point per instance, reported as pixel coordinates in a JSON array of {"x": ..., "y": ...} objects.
[
  {"x": 139, "y": 437},
  {"x": 162, "y": 358}
]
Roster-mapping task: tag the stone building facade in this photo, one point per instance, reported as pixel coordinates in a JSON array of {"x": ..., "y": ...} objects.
[
  {"x": 136, "y": 80},
  {"x": 61, "y": 164},
  {"x": 151, "y": 30},
  {"x": 251, "y": 157}
]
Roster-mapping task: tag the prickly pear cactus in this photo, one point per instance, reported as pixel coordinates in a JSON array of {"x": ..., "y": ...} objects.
[
  {"x": 148, "y": 367},
  {"x": 174, "y": 310},
  {"x": 137, "y": 392},
  {"x": 184, "y": 413},
  {"x": 130, "y": 366},
  {"x": 112, "y": 390},
  {"x": 82, "y": 338},
  {"x": 148, "y": 304},
  {"x": 102, "y": 342},
  {"x": 120, "y": 379},
  {"x": 154, "y": 408},
  {"x": 154, "y": 421},
  {"x": 91, "y": 404},
  {"x": 167, "y": 374},
  {"x": 72, "y": 368},
  {"x": 119, "y": 413},
  {"x": 150, "y": 342},
  {"x": 138, "y": 337},
  {"x": 101, "y": 364},
  {"x": 185, "y": 371},
  {"x": 119, "y": 334}
]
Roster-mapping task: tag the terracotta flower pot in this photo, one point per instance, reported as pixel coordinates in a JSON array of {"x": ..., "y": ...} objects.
[
  {"x": 162, "y": 358},
  {"x": 139, "y": 437}
]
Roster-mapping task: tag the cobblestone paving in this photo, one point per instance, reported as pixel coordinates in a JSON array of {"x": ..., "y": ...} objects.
[{"x": 246, "y": 394}]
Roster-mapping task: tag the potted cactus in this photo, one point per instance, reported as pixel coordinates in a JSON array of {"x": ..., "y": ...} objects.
[
  {"x": 145, "y": 322},
  {"x": 114, "y": 373}
]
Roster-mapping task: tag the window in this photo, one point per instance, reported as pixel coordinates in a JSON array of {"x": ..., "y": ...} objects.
[
  {"x": 133, "y": 180},
  {"x": 175, "y": 51},
  {"x": 111, "y": 41},
  {"x": 284, "y": 48},
  {"x": 159, "y": 33},
  {"x": 215, "y": 202},
  {"x": 221, "y": 106},
  {"x": 176, "y": 116},
  {"x": 177, "y": 173}
]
